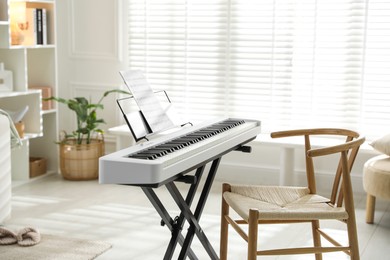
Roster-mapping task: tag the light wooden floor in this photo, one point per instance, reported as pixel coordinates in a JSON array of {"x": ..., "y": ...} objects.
[{"x": 122, "y": 216}]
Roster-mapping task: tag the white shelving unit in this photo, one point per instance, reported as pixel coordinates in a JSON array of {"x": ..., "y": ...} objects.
[{"x": 32, "y": 66}]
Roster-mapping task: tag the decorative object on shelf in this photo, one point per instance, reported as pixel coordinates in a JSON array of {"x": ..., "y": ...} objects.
[
  {"x": 80, "y": 150},
  {"x": 15, "y": 35},
  {"x": 20, "y": 128},
  {"x": 6, "y": 81},
  {"x": 15, "y": 138},
  {"x": 20, "y": 26},
  {"x": 16, "y": 117},
  {"x": 46, "y": 93}
]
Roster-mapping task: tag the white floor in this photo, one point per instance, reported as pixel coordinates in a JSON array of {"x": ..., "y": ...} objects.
[{"x": 122, "y": 216}]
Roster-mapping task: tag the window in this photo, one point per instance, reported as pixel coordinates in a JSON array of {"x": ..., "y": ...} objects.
[{"x": 288, "y": 63}]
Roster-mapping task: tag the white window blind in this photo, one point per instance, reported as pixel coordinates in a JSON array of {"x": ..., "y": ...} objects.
[
  {"x": 288, "y": 63},
  {"x": 376, "y": 75}
]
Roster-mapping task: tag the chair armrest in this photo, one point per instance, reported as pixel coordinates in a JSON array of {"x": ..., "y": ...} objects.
[
  {"x": 336, "y": 148},
  {"x": 314, "y": 131}
]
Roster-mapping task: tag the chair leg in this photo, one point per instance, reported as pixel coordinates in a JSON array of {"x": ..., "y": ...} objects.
[
  {"x": 252, "y": 234},
  {"x": 315, "y": 225},
  {"x": 370, "y": 209},
  {"x": 353, "y": 238},
  {"x": 224, "y": 225}
]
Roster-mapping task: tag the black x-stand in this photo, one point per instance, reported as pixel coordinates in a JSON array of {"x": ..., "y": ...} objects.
[{"x": 175, "y": 225}]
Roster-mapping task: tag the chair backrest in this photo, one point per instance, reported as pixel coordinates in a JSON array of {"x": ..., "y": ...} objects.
[{"x": 342, "y": 189}]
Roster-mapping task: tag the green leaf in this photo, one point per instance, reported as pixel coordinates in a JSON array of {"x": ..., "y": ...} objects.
[{"x": 86, "y": 115}]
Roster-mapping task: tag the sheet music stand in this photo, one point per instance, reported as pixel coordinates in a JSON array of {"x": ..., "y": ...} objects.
[{"x": 136, "y": 120}]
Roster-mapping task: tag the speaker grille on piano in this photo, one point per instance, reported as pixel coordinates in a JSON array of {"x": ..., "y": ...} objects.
[{"x": 186, "y": 140}]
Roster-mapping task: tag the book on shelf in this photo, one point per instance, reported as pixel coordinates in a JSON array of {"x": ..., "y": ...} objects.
[
  {"x": 44, "y": 26},
  {"x": 32, "y": 30},
  {"x": 39, "y": 26}
]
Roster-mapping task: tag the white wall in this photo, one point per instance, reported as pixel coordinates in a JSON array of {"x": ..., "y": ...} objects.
[
  {"x": 91, "y": 50},
  {"x": 90, "y": 55}
]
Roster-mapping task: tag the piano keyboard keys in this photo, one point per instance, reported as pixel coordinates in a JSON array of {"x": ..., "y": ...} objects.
[{"x": 187, "y": 140}]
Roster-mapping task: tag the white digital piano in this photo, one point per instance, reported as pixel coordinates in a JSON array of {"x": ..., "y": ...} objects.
[
  {"x": 178, "y": 156},
  {"x": 159, "y": 160}
]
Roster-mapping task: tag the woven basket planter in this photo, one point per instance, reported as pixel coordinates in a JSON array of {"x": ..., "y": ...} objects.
[{"x": 80, "y": 161}]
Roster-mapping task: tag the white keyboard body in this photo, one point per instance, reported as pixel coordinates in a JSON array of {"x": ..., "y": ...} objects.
[{"x": 118, "y": 168}]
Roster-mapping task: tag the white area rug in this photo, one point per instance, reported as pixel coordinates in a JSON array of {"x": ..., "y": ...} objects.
[{"x": 55, "y": 248}]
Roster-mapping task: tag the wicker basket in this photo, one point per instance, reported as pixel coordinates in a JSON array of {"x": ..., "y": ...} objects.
[{"x": 81, "y": 161}]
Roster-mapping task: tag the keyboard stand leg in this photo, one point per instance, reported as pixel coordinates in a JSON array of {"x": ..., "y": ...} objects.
[
  {"x": 200, "y": 207},
  {"x": 169, "y": 222},
  {"x": 193, "y": 219},
  {"x": 180, "y": 220}
]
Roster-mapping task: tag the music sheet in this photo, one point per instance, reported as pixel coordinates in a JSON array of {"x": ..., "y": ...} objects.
[{"x": 147, "y": 102}]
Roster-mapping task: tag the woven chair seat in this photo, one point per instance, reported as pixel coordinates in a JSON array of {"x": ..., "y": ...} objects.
[{"x": 281, "y": 203}]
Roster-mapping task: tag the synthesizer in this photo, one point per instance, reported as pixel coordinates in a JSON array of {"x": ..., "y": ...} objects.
[{"x": 157, "y": 160}]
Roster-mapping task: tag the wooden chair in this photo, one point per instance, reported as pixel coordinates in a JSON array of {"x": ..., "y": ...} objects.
[{"x": 257, "y": 204}]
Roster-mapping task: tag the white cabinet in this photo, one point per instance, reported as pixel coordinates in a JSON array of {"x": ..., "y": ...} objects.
[
  {"x": 33, "y": 66},
  {"x": 5, "y": 169}
]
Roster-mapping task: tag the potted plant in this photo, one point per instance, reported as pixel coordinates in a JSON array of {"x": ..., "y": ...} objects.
[{"x": 81, "y": 149}]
